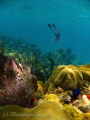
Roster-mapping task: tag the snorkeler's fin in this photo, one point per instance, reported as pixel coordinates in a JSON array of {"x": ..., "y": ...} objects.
[
  {"x": 54, "y": 25},
  {"x": 49, "y": 25}
]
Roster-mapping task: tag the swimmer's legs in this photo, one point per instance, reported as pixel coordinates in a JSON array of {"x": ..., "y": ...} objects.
[
  {"x": 54, "y": 25},
  {"x": 49, "y": 25}
]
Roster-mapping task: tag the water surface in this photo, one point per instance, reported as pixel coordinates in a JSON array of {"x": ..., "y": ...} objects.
[{"x": 28, "y": 19}]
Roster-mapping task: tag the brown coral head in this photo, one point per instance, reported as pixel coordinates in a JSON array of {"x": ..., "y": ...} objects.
[
  {"x": 18, "y": 86},
  {"x": 11, "y": 64},
  {"x": 3, "y": 60}
]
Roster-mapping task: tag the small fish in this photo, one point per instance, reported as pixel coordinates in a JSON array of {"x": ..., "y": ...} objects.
[{"x": 76, "y": 92}]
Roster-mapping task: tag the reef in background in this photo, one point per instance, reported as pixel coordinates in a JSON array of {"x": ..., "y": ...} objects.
[
  {"x": 41, "y": 64},
  {"x": 64, "y": 94}
]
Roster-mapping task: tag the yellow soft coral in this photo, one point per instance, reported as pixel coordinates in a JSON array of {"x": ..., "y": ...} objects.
[
  {"x": 47, "y": 110},
  {"x": 41, "y": 88},
  {"x": 77, "y": 114},
  {"x": 52, "y": 97}
]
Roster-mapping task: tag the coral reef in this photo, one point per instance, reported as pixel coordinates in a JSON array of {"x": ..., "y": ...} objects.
[
  {"x": 75, "y": 94},
  {"x": 51, "y": 97},
  {"x": 61, "y": 57},
  {"x": 3, "y": 50},
  {"x": 77, "y": 114},
  {"x": 85, "y": 69},
  {"x": 19, "y": 50},
  {"x": 86, "y": 88},
  {"x": 47, "y": 110},
  {"x": 41, "y": 64},
  {"x": 67, "y": 77},
  {"x": 17, "y": 85},
  {"x": 61, "y": 92},
  {"x": 82, "y": 103},
  {"x": 41, "y": 88}
]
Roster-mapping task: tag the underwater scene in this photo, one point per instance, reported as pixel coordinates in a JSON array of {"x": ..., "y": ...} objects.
[{"x": 44, "y": 59}]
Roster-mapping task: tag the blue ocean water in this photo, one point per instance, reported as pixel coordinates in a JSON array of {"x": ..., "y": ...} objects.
[{"x": 28, "y": 19}]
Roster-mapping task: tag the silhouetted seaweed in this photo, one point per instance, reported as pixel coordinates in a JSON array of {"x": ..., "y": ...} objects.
[{"x": 52, "y": 62}]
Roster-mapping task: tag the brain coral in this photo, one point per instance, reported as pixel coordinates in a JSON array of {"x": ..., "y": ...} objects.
[
  {"x": 85, "y": 69},
  {"x": 67, "y": 77}
]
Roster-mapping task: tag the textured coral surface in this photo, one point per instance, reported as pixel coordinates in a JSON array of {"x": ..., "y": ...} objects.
[
  {"x": 47, "y": 110},
  {"x": 85, "y": 69},
  {"x": 17, "y": 85},
  {"x": 67, "y": 77}
]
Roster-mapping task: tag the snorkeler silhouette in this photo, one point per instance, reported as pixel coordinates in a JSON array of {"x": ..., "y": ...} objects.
[{"x": 56, "y": 34}]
